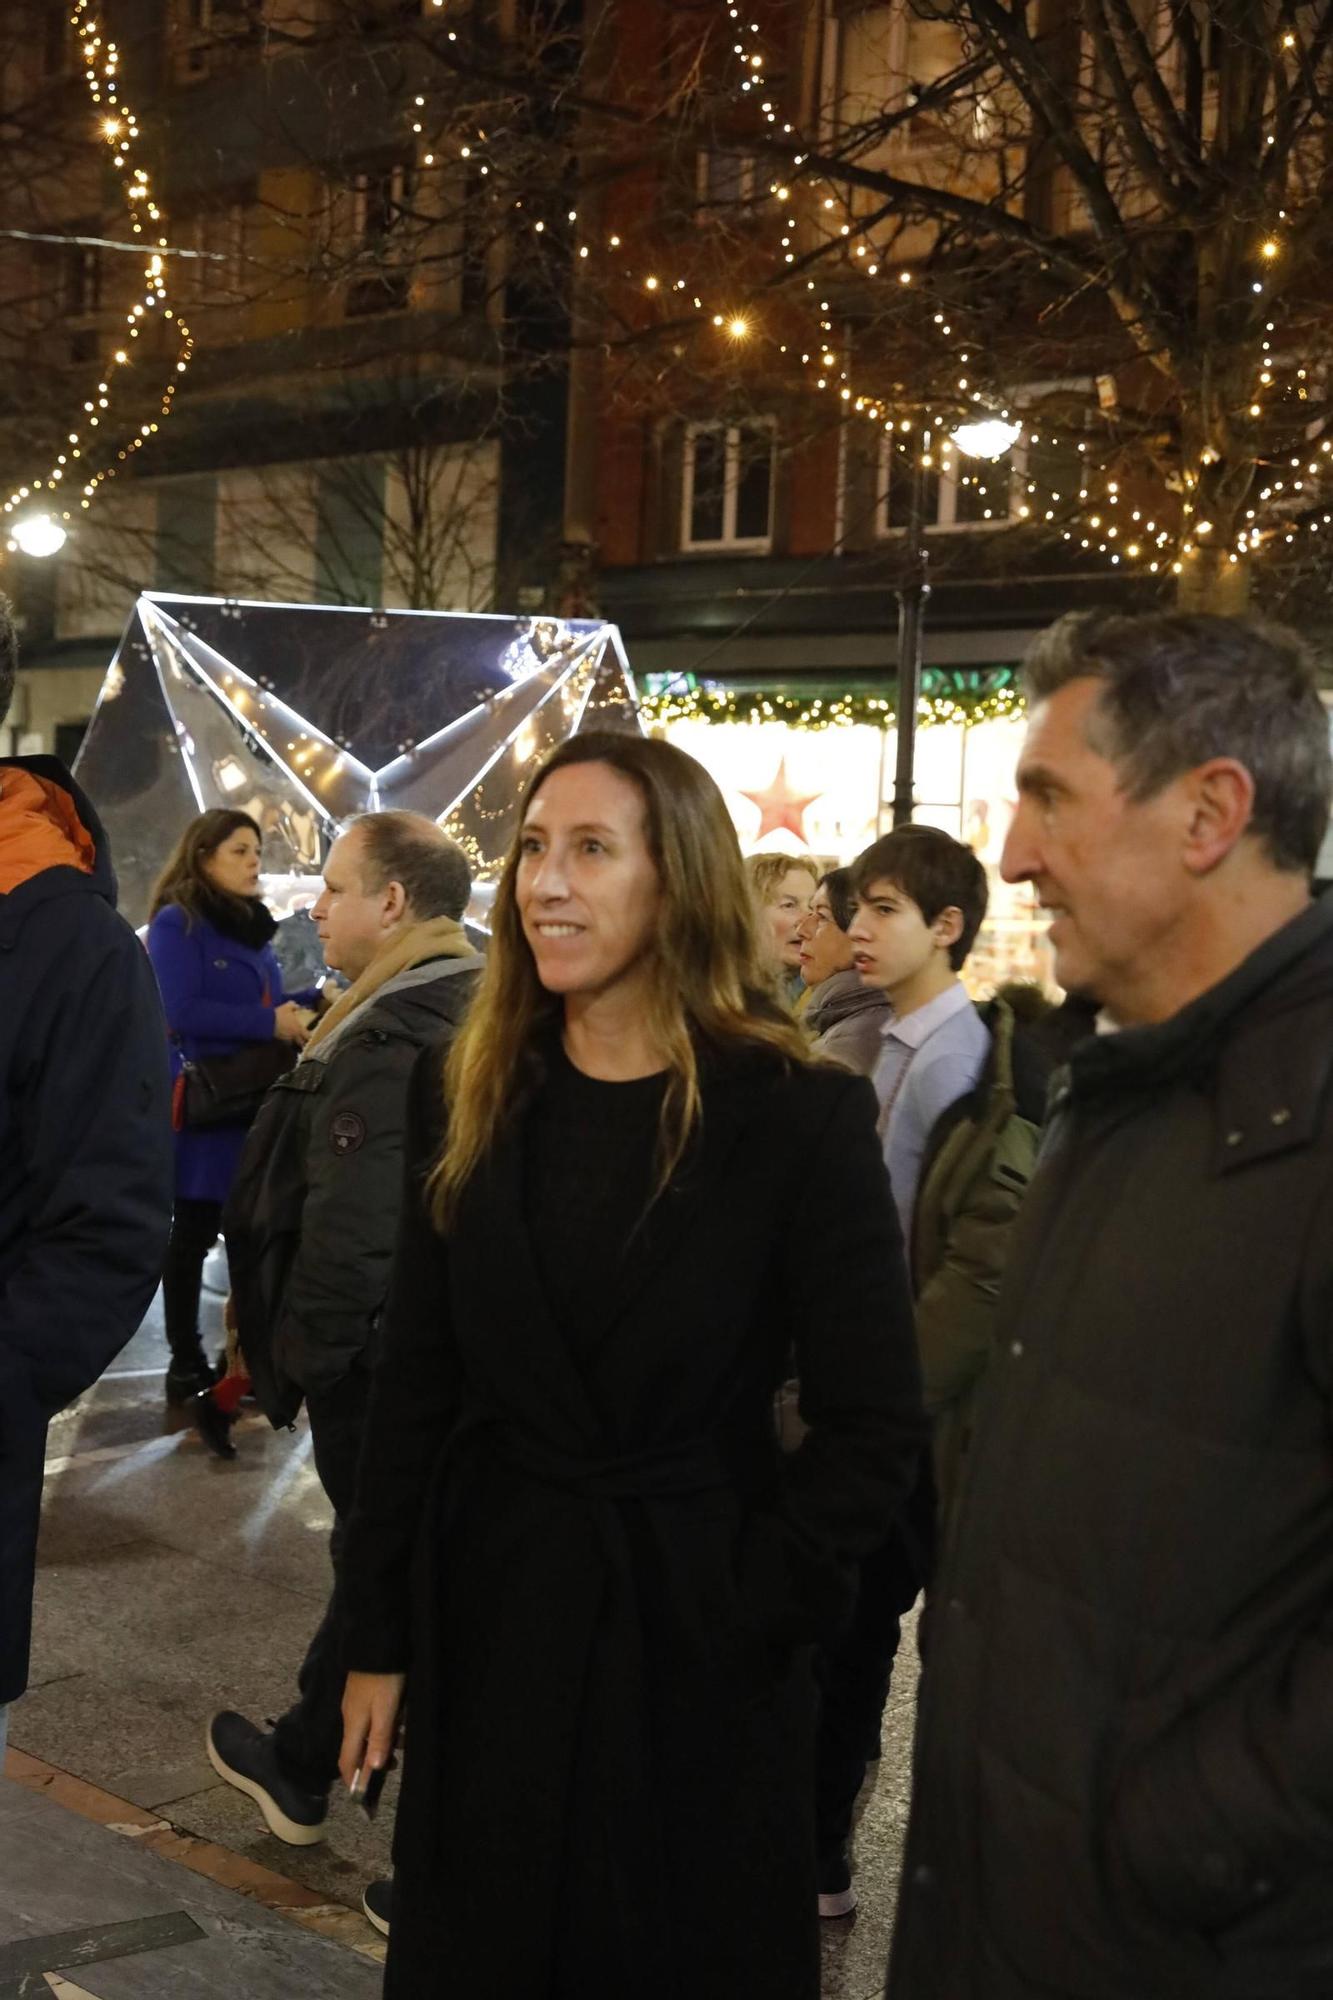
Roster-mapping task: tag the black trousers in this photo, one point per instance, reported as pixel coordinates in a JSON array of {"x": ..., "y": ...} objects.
[
  {"x": 853, "y": 1674},
  {"x": 308, "y": 1738},
  {"x": 194, "y": 1231}
]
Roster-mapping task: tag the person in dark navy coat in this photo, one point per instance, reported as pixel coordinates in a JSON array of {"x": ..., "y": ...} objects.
[
  {"x": 85, "y": 1139},
  {"x": 210, "y": 940},
  {"x": 575, "y": 1533}
]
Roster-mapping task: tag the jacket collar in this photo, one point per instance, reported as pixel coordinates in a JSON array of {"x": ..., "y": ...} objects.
[
  {"x": 53, "y": 882},
  {"x": 1298, "y": 957},
  {"x": 839, "y": 997},
  {"x": 916, "y": 1028},
  {"x": 404, "y": 951},
  {"x": 430, "y": 972}
]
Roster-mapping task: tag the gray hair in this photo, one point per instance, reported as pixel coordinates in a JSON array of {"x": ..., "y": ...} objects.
[
  {"x": 9, "y": 655},
  {"x": 1179, "y": 689},
  {"x": 407, "y": 847}
]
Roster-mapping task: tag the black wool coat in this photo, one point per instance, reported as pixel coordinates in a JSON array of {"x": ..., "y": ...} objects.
[
  {"x": 608, "y": 1772},
  {"x": 85, "y": 1172},
  {"x": 1124, "y": 1775}
]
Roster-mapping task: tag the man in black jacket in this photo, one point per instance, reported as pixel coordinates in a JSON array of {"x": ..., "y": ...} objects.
[
  {"x": 85, "y": 1138},
  {"x": 310, "y": 1228},
  {"x": 1124, "y": 1778}
]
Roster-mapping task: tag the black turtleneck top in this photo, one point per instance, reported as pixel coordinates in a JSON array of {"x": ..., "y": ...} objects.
[{"x": 589, "y": 1168}]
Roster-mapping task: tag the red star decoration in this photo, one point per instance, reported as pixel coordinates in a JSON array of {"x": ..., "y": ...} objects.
[{"x": 780, "y": 809}]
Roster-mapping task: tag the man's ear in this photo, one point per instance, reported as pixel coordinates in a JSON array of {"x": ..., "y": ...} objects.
[
  {"x": 395, "y": 903},
  {"x": 948, "y": 927},
  {"x": 1219, "y": 800}
]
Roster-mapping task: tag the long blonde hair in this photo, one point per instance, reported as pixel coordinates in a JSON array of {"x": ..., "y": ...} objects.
[
  {"x": 765, "y": 871},
  {"x": 708, "y": 981}
]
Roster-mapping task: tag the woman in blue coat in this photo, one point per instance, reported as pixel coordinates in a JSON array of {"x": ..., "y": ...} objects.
[{"x": 209, "y": 940}]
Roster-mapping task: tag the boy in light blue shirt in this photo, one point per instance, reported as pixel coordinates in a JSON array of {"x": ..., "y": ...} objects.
[{"x": 920, "y": 900}]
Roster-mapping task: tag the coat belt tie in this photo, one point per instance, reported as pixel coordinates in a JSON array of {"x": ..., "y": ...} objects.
[
  {"x": 666, "y": 1471},
  {"x": 627, "y": 1782}
]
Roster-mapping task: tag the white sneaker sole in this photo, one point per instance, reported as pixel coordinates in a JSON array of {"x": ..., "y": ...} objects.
[
  {"x": 275, "y": 1819},
  {"x": 841, "y": 1904},
  {"x": 371, "y": 1918}
]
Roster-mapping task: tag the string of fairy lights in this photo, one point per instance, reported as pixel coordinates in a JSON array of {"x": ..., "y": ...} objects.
[
  {"x": 712, "y": 703},
  {"x": 73, "y": 479},
  {"x": 1094, "y": 510},
  {"x": 1116, "y": 529},
  {"x": 1096, "y": 514}
]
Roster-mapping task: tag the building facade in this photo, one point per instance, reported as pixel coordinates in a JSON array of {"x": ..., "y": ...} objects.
[{"x": 372, "y": 411}]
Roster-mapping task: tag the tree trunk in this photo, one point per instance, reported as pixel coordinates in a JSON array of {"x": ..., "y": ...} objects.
[{"x": 1209, "y": 582}]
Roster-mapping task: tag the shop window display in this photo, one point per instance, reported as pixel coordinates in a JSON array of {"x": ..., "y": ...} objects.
[{"x": 835, "y": 785}]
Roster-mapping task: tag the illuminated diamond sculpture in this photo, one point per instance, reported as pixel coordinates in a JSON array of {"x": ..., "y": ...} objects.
[{"x": 306, "y": 714}]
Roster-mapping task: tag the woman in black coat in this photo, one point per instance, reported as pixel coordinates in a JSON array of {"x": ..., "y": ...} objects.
[{"x": 574, "y": 1525}]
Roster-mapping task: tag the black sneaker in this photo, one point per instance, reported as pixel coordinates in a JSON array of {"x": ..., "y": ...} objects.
[
  {"x": 244, "y": 1756},
  {"x": 377, "y": 1901}
]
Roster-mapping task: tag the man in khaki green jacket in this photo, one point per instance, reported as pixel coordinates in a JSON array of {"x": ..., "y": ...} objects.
[
  {"x": 978, "y": 1162},
  {"x": 958, "y": 1156},
  {"x": 961, "y": 1098}
]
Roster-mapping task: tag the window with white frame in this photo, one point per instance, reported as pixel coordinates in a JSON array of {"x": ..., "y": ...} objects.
[
  {"x": 382, "y": 236},
  {"x": 870, "y": 61},
  {"x": 885, "y": 56},
  {"x": 956, "y": 491},
  {"x": 725, "y": 182},
  {"x": 218, "y": 275},
  {"x": 1039, "y": 477},
  {"x": 381, "y": 197},
  {"x": 727, "y": 489}
]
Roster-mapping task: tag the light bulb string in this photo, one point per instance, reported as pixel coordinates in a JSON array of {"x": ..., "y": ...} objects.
[{"x": 120, "y": 132}]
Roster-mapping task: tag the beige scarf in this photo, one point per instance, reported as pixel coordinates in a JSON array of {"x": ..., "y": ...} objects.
[{"x": 434, "y": 937}]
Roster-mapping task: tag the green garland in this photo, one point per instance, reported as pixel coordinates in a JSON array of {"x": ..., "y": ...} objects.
[{"x": 712, "y": 704}]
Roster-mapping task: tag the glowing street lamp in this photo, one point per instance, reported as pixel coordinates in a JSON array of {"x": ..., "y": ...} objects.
[
  {"x": 38, "y": 535},
  {"x": 990, "y": 438}
]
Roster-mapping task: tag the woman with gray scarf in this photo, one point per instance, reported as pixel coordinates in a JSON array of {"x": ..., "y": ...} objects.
[{"x": 843, "y": 1016}]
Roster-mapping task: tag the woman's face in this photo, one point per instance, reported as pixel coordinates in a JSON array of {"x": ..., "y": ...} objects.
[
  {"x": 233, "y": 866},
  {"x": 824, "y": 948},
  {"x": 587, "y": 888},
  {"x": 789, "y": 901}
]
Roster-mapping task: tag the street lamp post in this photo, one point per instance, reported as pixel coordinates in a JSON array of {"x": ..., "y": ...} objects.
[
  {"x": 989, "y": 438},
  {"x": 913, "y": 594}
]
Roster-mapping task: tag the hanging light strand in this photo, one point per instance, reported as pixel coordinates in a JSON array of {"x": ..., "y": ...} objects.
[{"x": 115, "y": 124}]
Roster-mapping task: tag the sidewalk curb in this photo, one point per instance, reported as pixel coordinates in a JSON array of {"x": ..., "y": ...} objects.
[{"x": 345, "y": 1926}]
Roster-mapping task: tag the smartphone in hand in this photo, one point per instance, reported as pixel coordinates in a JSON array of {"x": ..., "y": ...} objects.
[{"x": 366, "y": 1787}]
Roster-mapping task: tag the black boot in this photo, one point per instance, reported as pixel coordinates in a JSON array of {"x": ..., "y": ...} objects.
[
  {"x": 184, "y": 1380},
  {"x": 213, "y": 1424}
]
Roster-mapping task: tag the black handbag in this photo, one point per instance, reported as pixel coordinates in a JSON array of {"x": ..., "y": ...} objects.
[{"x": 228, "y": 1090}]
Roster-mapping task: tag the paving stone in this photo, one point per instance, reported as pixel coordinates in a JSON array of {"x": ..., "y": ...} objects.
[
  {"x": 63, "y": 1875},
  {"x": 172, "y": 1584}
]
